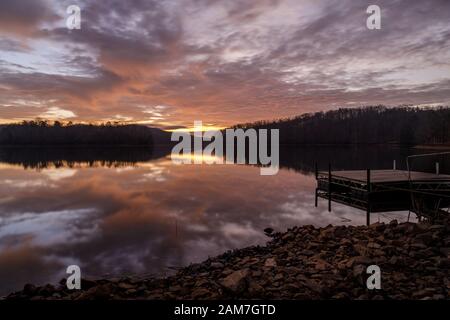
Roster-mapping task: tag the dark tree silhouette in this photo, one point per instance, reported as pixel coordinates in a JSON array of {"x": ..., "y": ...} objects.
[
  {"x": 43, "y": 133},
  {"x": 365, "y": 125}
]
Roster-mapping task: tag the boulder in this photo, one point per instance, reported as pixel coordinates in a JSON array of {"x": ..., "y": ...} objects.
[{"x": 236, "y": 282}]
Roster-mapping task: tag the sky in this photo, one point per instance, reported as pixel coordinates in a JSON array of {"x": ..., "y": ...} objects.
[{"x": 169, "y": 63}]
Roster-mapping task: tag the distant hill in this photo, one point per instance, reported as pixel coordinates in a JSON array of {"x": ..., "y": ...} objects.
[
  {"x": 365, "y": 125},
  {"x": 43, "y": 133},
  {"x": 160, "y": 136}
]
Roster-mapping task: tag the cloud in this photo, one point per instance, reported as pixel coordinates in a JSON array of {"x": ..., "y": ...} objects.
[
  {"x": 24, "y": 17},
  {"x": 55, "y": 113},
  {"x": 224, "y": 61}
]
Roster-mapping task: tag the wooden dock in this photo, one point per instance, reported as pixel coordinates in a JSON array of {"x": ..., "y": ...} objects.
[
  {"x": 388, "y": 176},
  {"x": 426, "y": 194}
]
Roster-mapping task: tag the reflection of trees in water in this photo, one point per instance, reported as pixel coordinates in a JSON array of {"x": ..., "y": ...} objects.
[
  {"x": 298, "y": 158},
  {"x": 303, "y": 159},
  {"x": 59, "y": 157}
]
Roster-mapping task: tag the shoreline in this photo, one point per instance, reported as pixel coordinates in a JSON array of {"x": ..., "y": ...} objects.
[{"x": 302, "y": 263}]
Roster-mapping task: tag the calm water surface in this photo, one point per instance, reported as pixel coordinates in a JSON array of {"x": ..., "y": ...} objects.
[{"x": 119, "y": 212}]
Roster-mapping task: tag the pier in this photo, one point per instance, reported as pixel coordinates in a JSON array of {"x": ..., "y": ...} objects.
[{"x": 425, "y": 194}]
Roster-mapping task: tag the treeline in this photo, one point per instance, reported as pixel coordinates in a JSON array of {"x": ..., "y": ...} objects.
[
  {"x": 44, "y": 133},
  {"x": 365, "y": 125}
]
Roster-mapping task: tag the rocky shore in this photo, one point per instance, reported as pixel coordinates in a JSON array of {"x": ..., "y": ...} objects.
[{"x": 302, "y": 263}]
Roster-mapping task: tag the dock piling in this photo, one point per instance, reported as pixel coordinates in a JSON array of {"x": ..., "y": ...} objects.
[
  {"x": 369, "y": 188},
  {"x": 316, "y": 198},
  {"x": 329, "y": 187}
]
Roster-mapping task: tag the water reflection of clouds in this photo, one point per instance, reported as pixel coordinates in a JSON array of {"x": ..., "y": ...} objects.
[
  {"x": 60, "y": 173},
  {"x": 43, "y": 178},
  {"x": 27, "y": 183},
  {"x": 146, "y": 217},
  {"x": 49, "y": 228},
  {"x": 237, "y": 233}
]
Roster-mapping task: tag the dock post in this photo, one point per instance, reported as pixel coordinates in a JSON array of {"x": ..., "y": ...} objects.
[
  {"x": 329, "y": 187},
  {"x": 369, "y": 188},
  {"x": 316, "y": 170},
  {"x": 394, "y": 165},
  {"x": 437, "y": 168}
]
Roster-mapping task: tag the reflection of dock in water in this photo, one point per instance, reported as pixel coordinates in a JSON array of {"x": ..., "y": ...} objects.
[{"x": 425, "y": 194}]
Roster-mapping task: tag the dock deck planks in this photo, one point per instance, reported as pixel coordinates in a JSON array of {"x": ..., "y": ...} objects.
[{"x": 387, "y": 176}]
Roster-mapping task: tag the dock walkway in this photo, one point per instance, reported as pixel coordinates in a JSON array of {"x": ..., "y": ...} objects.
[{"x": 425, "y": 194}]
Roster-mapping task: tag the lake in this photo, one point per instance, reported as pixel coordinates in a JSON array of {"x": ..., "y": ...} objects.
[{"x": 132, "y": 211}]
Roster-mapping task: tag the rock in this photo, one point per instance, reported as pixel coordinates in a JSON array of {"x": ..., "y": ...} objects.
[
  {"x": 29, "y": 289},
  {"x": 126, "y": 286},
  {"x": 420, "y": 294},
  {"x": 358, "y": 260},
  {"x": 437, "y": 227},
  {"x": 340, "y": 296},
  {"x": 175, "y": 288},
  {"x": 278, "y": 276},
  {"x": 131, "y": 292},
  {"x": 256, "y": 273},
  {"x": 46, "y": 290},
  {"x": 200, "y": 293},
  {"x": 288, "y": 236},
  {"x": 418, "y": 245},
  {"x": 425, "y": 238},
  {"x": 236, "y": 282},
  {"x": 361, "y": 249},
  {"x": 270, "y": 263},
  {"x": 314, "y": 286},
  {"x": 268, "y": 231},
  {"x": 445, "y": 251},
  {"x": 227, "y": 271},
  {"x": 373, "y": 245},
  {"x": 255, "y": 289},
  {"x": 358, "y": 273},
  {"x": 378, "y": 226},
  {"x": 393, "y": 223},
  {"x": 87, "y": 284},
  {"x": 307, "y": 253},
  {"x": 428, "y": 252},
  {"x": 101, "y": 292},
  {"x": 320, "y": 264},
  {"x": 217, "y": 265}
]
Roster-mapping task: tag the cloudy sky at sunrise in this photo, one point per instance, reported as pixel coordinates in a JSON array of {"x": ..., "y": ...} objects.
[{"x": 168, "y": 63}]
